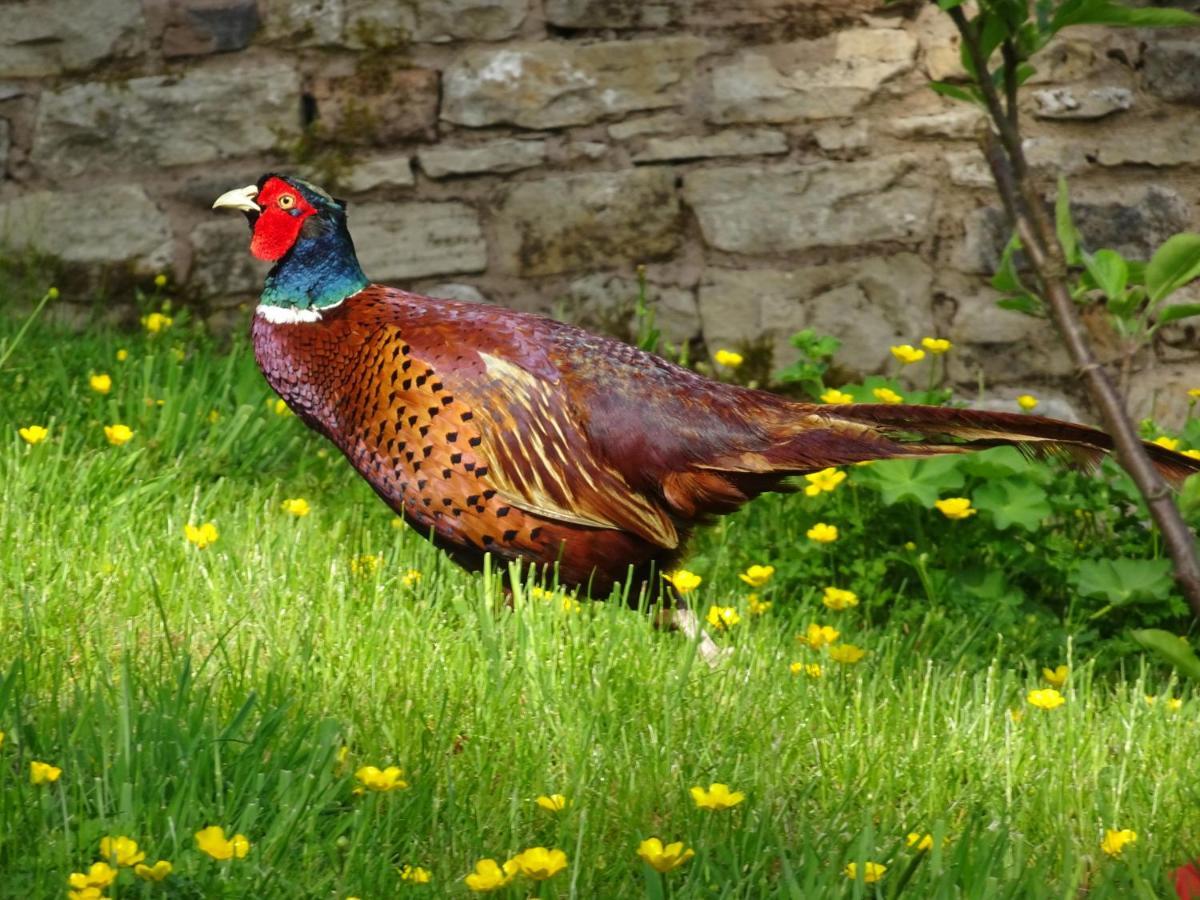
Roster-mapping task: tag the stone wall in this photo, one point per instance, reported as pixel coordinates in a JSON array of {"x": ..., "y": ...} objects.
[{"x": 777, "y": 164}]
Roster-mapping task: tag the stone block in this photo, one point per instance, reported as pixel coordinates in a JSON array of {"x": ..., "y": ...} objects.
[
  {"x": 400, "y": 241},
  {"x": 751, "y": 142},
  {"x": 869, "y": 305},
  {"x": 206, "y": 114},
  {"x": 845, "y": 139},
  {"x": 940, "y": 55},
  {"x": 1171, "y": 70},
  {"x": 5, "y": 145},
  {"x": 222, "y": 265},
  {"x": 606, "y": 302},
  {"x": 659, "y": 123},
  {"x": 760, "y": 210},
  {"x": 385, "y": 172},
  {"x": 805, "y": 16},
  {"x": 107, "y": 224},
  {"x": 822, "y": 79},
  {"x": 580, "y": 222},
  {"x": 377, "y": 106},
  {"x": 46, "y": 37},
  {"x": 453, "y": 290},
  {"x": 386, "y": 23},
  {"x": 303, "y": 23},
  {"x": 495, "y": 156},
  {"x": 551, "y": 85},
  {"x": 1169, "y": 141},
  {"x": 958, "y": 123},
  {"x": 1081, "y": 103},
  {"x": 199, "y": 27}
]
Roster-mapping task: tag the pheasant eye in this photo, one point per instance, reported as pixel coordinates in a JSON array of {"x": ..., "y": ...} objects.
[{"x": 286, "y": 201}]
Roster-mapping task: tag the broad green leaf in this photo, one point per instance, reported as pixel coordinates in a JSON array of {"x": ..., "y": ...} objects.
[
  {"x": 1064, "y": 225},
  {"x": 1173, "y": 265},
  {"x": 989, "y": 585},
  {"x": 1124, "y": 581},
  {"x": 950, "y": 4},
  {"x": 1171, "y": 648},
  {"x": 1109, "y": 270},
  {"x": 1006, "y": 278},
  {"x": 1013, "y": 501},
  {"x": 920, "y": 480},
  {"x": 956, "y": 92},
  {"x": 1023, "y": 303},
  {"x": 998, "y": 462},
  {"x": 1180, "y": 311},
  {"x": 1106, "y": 12}
]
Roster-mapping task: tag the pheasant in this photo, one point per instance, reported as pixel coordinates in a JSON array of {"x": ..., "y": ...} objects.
[{"x": 501, "y": 432}]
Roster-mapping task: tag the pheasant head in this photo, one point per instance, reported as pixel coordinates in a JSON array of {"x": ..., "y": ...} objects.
[{"x": 302, "y": 230}]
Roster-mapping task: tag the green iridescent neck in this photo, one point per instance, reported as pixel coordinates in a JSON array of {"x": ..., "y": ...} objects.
[{"x": 320, "y": 270}]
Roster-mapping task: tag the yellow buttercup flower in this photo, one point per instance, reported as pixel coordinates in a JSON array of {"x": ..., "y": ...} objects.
[
  {"x": 490, "y": 876},
  {"x": 156, "y": 322},
  {"x": 756, "y": 606},
  {"x": 887, "y": 395},
  {"x": 101, "y": 384},
  {"x": 728, "y": 359},
  {"x": 100, "y": 875},
  {"x": 1027, "y": 402},
  {"x": 683, "y": 581},
  {"x": 279, "y": 406},
  {"x": 1115, "y": 841},
  {"x": 122, "y": 355},
  {"x": 955, "y": 507},
  {"x": 118, "y": 434},
  {"x": 907, "y": 354},
  {"x": 415, "y": 875},
  {"x": 936, "y": 345},
  {"x": 825, "y": 480},
  {"x": 1194, "y": 393},
  {"x": 722, "y": 618},
  {"x": 1056, "y": 677},
  {"x": 757, "y": 576},
  {"x": 834, "y": 396},
  {"x": 817, "y": 636},
  {"x": 87, "y": 893},
  {"x": 160, "y": 280},
  {"x": 411, "y": 577},
  {"x": 1168, "y": 443},
  {"x": 52, "y": 293},
  {"x": 1047, "y": 698},
  {"x": 540, "y": 863},
  {"x": 822, "y": 533},
  {"x": 812, "y": 670},
  {"x": 717, "y": 797},
  {"x": 203, "y": 536},
  {"x": 553, "y": 803},
  {"x": 872, "y": 872},
  {"x": 121, "y": 850},
  {"x": 846, "y": 653},
  {"x": 838, "y": 599},
  {"x": 1191, "y": 454},
  {"x": 43, "y": 773},
  {"x": 1174, "y": 704},
  {"x": 919, "y": 841},
  {"x": 375, "y": 779},
  {"x": 211, "y": 840},
  {"x": 33, "y": 434},
  {"x": 156, "y": 872},
  {"x": 664, "y": 859},
  {"x": 296, "y": 506}
]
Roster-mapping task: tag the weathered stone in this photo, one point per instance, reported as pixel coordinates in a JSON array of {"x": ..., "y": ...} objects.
[
  {"x": 822, "y": 79},
  {"x": 494, "y": 156},
  {"x": 579, "y": 222},
  {"x": 1054, "y": 405},
  {"x": 397, "y": 241},
  {"x": 659, "y": 123},
  {"x": 44, "y": 37},
  {"x": 1172, "y": 70},
  {"x": 843, "y": 138},
  {"x": 761, "y": 210},
  {"x": 221, "y": 262},
  {"x": 376, "y": 106},
  {"x": 304, "y": 23},
  {"x": 453, "y": 290},
  {"x": 607, "y": 303},
  {"x": 106, "y": 224},
  {"x": 752, "y": 142},
  {"x": 385, "y": 172},
  {"x": 385, "y": 23},
  {"x": 969, "y": 169},
  {"x": 204, "y": 115},
  {"x": 959, "y": 122},
  {"x": 1133, "y": 227},
  {"x": 1161, "y": 393},
  {"x": 805, "y": 16},
  {"x": 5, "y": 143},
  {"x": 590, "y": 150},
  {"x": 1051, "y": 156},
  {"x": 1173, "y": 141},
  {"x": 198, "y": 27},
  {"x": 549, "y": 85},
  {"x": 1080, "y": 103},
  {"x": 940, "y": 55},
  {"x": 868, "y": 304}
]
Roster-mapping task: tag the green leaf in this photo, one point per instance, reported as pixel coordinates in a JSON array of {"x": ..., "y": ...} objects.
[
  {"x": 1124, "y": 581},
  {"x": 1106, "y": 12},
  {"x": 998, "y": 462},
  {"x": 1177, "y": 312},
  {"x": 1172, "y": 649},
  {"x": 957, "y": 92},
  {"x": 1064, "y": 225},
  {"x": 921, "y": 480},
  {"x": 1013, "y": 501},
  {"x": 1110, "y": 271},
  {"x": 1023, "y": 303},
  {"x": 1173, "y": 265}
]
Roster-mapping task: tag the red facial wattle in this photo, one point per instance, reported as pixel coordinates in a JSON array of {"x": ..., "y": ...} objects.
[{"x": 284, "y": 210}]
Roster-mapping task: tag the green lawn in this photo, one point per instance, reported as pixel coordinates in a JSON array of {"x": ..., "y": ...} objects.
[{"x": 179, "y": 687}]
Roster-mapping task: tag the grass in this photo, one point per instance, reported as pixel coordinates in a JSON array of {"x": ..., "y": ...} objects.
[{"x": 178, "y": 688}]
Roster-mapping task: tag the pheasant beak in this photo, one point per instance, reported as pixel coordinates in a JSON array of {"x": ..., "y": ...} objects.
[{"x": 239, "y": 198}]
